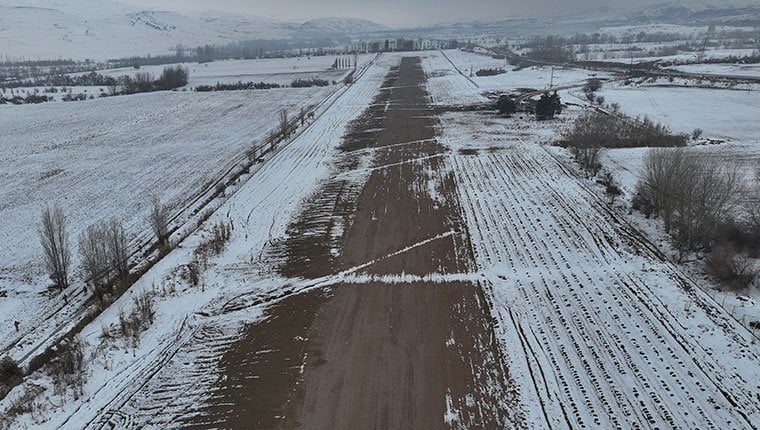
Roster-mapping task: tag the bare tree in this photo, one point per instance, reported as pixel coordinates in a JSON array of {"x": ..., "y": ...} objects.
[
  {"x": 284, "y": 127},
  {"x": 117, "y": 248},
  {"x": 693, "y": 195},
  {"x": 752, "y": 206},
  {"x": 55, "y": 242},
  {"x": 159, "y": 221},
  {"x": 143, "y": 81},
  {"x": 103, "y": 250},
  {"x": 93, "y": 250}
]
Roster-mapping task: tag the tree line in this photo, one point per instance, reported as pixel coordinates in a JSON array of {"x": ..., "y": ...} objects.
[{"x": 103, "y": 248}]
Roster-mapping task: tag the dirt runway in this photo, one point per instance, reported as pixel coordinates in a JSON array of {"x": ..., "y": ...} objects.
[{"x": 378, "y": 354}]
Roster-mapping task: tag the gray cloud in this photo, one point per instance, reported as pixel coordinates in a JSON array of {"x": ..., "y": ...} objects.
[{"x": 390, "y": 12}]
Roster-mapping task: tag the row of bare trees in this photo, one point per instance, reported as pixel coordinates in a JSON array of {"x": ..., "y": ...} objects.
[
  {"x": 103, "y": 247},
  {"x": 691, "y": 194},
  {"x": 593, "y": 131},
  {"x": 705, "y": 206}
]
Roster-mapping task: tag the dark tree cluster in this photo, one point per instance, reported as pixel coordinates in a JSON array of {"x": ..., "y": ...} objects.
[
  {"x": 92, "y": 79},
  {"x": 30, "y": 99},
  {"x": 490, "y": 72},
  {"x": 237, "y": 86},
  {"x": 312, "y": 82},
  {"x": 171, "y": 78},
  {"x": 548, "y": 106},
  {"x": 506, "y": 105}
]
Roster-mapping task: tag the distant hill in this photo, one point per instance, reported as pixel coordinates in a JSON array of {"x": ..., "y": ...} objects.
[
  {"x": 103, "y": 29},
  {"x": 342, "y": 26},
  {"x": 737, "y": 13}
]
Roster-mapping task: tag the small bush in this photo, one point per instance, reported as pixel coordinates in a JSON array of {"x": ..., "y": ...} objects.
[
  {"x": 66, "y": 368},
  {"x": 172, "y": 78},
  {"x": 142, "y": 316},
  {"x": 737, "y": 271},
  {"x": 612, "y": 189},
  {"x": 25, "y": 403}
]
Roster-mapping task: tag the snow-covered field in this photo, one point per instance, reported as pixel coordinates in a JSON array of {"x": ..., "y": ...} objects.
[
  {"x": 724, "y": 115},
  {"x": 452, "y": 80},
  {"x": 280, "y": 71},
  {"x": 684, "y": 57},
  {"x": 165, "y": 379},
  {"x": 599, "y": 332},
  {"x": 752, "y": 70},
  {"x": 105, "y": 158}
]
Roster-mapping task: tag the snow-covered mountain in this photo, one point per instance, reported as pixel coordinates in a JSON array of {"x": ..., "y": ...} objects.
[
  {"x": 102, "y": 29},
  {"x": 737, "y": 13},
  {"x": 342, "y": 26}
]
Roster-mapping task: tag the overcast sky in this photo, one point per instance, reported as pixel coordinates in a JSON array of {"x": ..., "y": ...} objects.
[{"x": 391, "y": 12}]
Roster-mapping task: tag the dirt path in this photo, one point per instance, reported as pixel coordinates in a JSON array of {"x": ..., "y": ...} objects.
[{"x": 378, "y": 354}]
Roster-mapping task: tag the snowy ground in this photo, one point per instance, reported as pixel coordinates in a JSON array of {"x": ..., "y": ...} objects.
[
  {"x": 722, "y": 114},
  {"x": 452, "y": 80},
  {"x": 599, "y": 332},
  {"x": 176, "y": 355},
  {"x": 685, "y": 57},
  {"x": 725, "y": 115},
  {"x": 752, "y": 70},
  {"x": 596, "y": 329},
  {"x": 532, "y": 77},
  {"x": 280, "y": 71},
  {"x": 104, "y": 158}
]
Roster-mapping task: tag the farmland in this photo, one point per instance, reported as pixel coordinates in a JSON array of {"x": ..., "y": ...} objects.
[{"x": 105, "y": 158}]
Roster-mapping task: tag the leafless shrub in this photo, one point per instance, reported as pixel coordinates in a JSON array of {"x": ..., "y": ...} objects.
[
  {"x": 10, "y": 375},
  {"x": 611, "y": 188},
  {"x": 142, "y": 315},
  {"x": 117, "y": 248},
  {"x": 591, "y": 87},
  {"x": 587, "y": 154},
  {"x": 736, "y": 270},
  {"x": 55, "y": 242},
  {"x": 696, "y": 133},
  {"x": 66, "y": 368},
  {"x": 219, "y": 189},
  {"x": 615, "y": 130},
  {"x": 25, "y": 403},
  {"x": 212, "y": 245},
  {"x": 192, "y": 273},
  {"x": 143, "y": 81},
  {"x": 205, "y": 215},
  {"x": 159, "y": 222}
]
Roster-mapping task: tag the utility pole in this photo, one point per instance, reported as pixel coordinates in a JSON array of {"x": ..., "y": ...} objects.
[{"x": 551, "y": 83}]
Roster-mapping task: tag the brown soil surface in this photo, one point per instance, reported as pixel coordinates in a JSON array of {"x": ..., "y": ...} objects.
[{"x": 377, "y": 355}]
